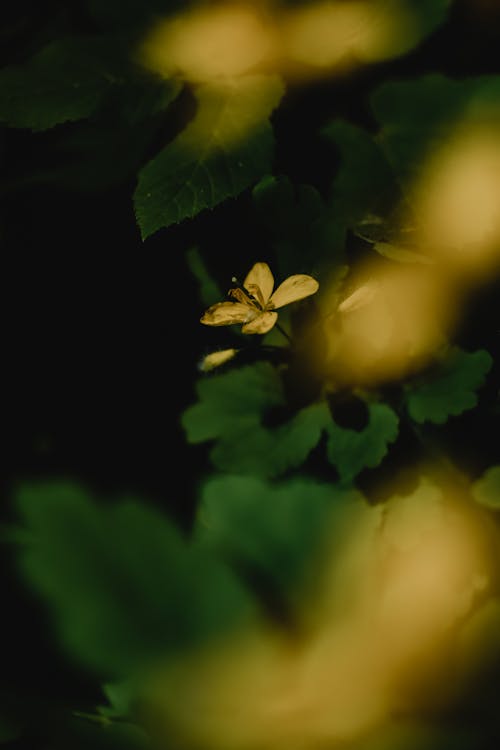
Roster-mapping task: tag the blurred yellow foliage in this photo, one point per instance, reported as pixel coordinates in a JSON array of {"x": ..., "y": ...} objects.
[
  {"x": 457, "y": 200},
  {"x": 326, "y": 34},
  {"x": 209, "y": 42},
  {"x": 391, "y": 324},
  {"x": 379, "y": 622}
]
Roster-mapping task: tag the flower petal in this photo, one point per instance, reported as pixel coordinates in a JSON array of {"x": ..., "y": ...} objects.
[
  {"x": 227, "y": 313},
  {"x": 262, "y": 323},
  {"x": 216, "y": 359},
  {"x": 361, "y": 297},
  {"x": 294, "y": 288},
  {"x": 260, "y": 282}
]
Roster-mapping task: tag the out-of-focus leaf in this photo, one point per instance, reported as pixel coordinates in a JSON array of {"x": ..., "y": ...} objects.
[
  {"x": 486, "y": 491},
  {"x": 417, "y": 116},
  {"x": 364, "y": 183},
  {"x": 303, "y": 231},
  {"x": 331, "y": 35},
  {"x": 408, "y": 735},
  {"x": 277, "y": 530},
  {"x": 120, "y": 696},
  {"x": 92, "y": 732},
  {"x": 429, "y": 14},
  {"x": 231, "y": 409},
  {"x": 224, "y": 149},
  {"x": 123, "y": 586},
  {"x": 256, "y": 450},
  {"x": 400, "y": 254},
  {"x": 111, "y": 147},
  {"x": 130, "y": 13},
  {"x": 450, "y": 388},
  {"x": 284, "y": 207},
  {"x": 209, "y": 290},
  {"x": 351, "y": 451},
  {"x": 65, "y": 81}
]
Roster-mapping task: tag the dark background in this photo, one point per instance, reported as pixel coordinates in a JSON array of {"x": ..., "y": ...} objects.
[{"x": 100, "y": 331}]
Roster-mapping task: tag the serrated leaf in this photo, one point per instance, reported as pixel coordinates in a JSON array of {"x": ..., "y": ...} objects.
[
  {"x": 276, "y": 530},
  {"x": 351, "y": 451},
  {"x": 123, "y": 586},
  {"x": 257, "y": 450},
  {"x": 65, "y": 81},
  {"x": 230, "y": 411},
  {"x": 226, "y": 148},
  {"x": 450, "y": 389},
  {"x": 364, "y": 183},
  {"x": 486, "y": 491}
]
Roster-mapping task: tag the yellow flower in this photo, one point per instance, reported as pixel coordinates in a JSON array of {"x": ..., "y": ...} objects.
[
  {"x": 255, "y": 302},
  {"x": 216, "y": 359}
]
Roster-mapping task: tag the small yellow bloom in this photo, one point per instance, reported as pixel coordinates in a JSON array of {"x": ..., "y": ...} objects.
[
  {"x": 255, "y": 302},
  {"x": 216, "y": 359}
]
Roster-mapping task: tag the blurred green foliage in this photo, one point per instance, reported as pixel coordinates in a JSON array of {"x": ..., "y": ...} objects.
[
  {"x": 124, "y": 586},
  {"x": 450, "y": 389},
  {"x": 277, "y": 531},
  {"x": 65, "y": 81}
]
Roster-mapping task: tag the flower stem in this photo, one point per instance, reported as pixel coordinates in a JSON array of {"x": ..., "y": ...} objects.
[{"x": 285, "y": 334}]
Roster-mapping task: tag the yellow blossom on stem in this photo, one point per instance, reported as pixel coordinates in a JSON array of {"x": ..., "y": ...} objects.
[{"x": 255, "y": 303}]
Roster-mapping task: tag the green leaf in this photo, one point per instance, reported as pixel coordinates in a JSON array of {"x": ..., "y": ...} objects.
[
  {"x": 400, "y": 254},
  {"x": 351, "y": 451},
  {"x": 120, "y": 696},
  {"x": 429, "y": 14},
  {"x": 109, "y": 149},
  {"x": 230, "y": 411},
  {"x": 486, "y": 491},
  {"x": 302, "y": 230},
  {"x": 208, "y": 289},
  {"x": 401, "y": 734},
  {"x": 130, "y": 13},
  {"x": 270, "y": 452},
  {"x": 66, "y": 81},
  {"x": 86, "y": 731},
  {"x": 418, "y": 115},
  {"x": 224, "y": 149},
  {"x": 123, "y": 586},
  {"x": 278, "y": 531},
  {"x": 364, "y": 183},
  {"x": 450, "y": 388}
]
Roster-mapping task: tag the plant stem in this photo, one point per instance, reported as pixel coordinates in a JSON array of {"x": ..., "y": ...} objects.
[{"x": 284, "y": 333}]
